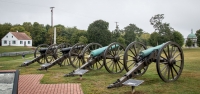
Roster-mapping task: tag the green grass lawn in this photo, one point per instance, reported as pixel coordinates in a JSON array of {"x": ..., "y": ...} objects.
[
  {"x": 13, "y": 49},
  {"x": 96, "y": 82}
]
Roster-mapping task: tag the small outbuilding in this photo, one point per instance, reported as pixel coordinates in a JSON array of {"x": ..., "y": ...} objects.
[{"x": 16, "y": 39}]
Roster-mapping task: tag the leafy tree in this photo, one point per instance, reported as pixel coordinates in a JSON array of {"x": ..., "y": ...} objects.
[
  {"x": 17, "y": 28},
  {"x": 4, "y": 29},
  {"x": 28, "y": 33},
  {"x": 164, "y": 30},
  {"x": 98, "y": 32},
  {"x": 83, "y": 39},
  {"x": 198, "y": 37},
  {"x": 75, "y": 38},
  {"x": 131, "y": 32},
  {"x": 165, "y": 34},
  {"x": 153, "y": 40},
  {"x": 38, "y": 34},
  {"x": 121, "y": 41},
  {"x": 115, "y": 35},
  {"x": 47, "y": 27},
  {"x": 189, "y": 42},
  {"x": 144, "y": 38},
  {"x": 178, "y": 38},
  {"x": 28, "y": 26}
]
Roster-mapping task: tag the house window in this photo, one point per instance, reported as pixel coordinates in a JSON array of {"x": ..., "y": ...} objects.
[
  {"x": 12, "y": 36},
  {"x": 5, "y": 42},
  {"x": 13, "y": 42},
  {"x": 29, "y": 42},
  {"x": 21, "y": 42},
  {"x": 6, "y": 36}
]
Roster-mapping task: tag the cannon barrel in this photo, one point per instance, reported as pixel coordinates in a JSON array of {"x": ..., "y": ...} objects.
[
  {"x": 100, "y": 50},
  {"x": 150, "y": 50}
]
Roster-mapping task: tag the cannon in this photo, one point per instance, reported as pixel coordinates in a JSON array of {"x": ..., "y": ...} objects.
[
  {"x": 169, "y": 59},
  {"x": 62, "y": 55},
  {"x": 109, "y": 56},
  {"x": 42, "y": 53}
]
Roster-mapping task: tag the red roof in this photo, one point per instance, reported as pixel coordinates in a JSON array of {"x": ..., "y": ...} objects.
[{"x": 21, "y": 36}]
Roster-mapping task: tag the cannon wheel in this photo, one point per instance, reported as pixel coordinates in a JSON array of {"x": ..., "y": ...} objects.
[
  {"x": 59, "y": 54},
  {"x": 86, "y": 54},
  {"x": 113, "y": 58},
  {"x": 37, "y": 53},
  {"x": 170, "y": 62},
  {"x": 50, "y": 53},
  {"x": 75, "y": 57},
  {"x": 131, "y": 57}
]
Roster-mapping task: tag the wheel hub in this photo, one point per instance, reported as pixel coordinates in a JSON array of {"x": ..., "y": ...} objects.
[
  {"x": 116, "y": 58},
  {"x": 172, "y": 61}
]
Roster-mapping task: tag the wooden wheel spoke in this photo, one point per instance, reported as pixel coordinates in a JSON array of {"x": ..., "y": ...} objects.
[
  {"x": 172, "y": 72},
  {"x": 168, "y": 72},
  {"x": 130, "y": 65},
  {"x": 165, "y": 53},
  {"x": 96, "y": 65},
  {"x": 132, "y": 52},
  {"x": 119, "y": 66},
  {"x": 174, "y": 52},
  {"x": 113, "y": 66},
  {"x": 163, "y": 58},
  {"x": 135, "y": 50},
  {"x": 165, "y": 73},
  {"x": 131, "y": 56},
  {"x": 176, "y": 56},
  {"x": 175, "y": 70},
  {"x": 110, "y": 64},
  {"x": 164, "y": 68}
]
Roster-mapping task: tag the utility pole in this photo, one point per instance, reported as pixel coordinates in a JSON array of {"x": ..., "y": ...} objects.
[
  {"x": 117, "y": 26},
  {"x": 52, "y": 23},
  {"x": 52, "y": 16}
]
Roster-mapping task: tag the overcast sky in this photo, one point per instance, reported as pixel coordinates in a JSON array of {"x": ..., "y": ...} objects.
[{"x": 183, "y": 15}]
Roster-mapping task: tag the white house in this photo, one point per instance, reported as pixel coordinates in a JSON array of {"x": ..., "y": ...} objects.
[{"x": 16, "y": 39}]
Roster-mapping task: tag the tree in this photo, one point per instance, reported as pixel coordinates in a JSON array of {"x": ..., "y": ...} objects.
[
  {"x": 165, "y": 34},
  {"x": 83, "y": 39},
  {"x": 28, "y": 26},
  {"x": 198, "y": 37},
  {"x": 144, "y": 38},
  {"x": 115, "y": 35},
  {"x": 153, "y": 40},
  {"x": 121, "y": 41},
  {"x": 75, "y": 38},
  {"x": 189, "y": 42},
  {"x": 164, "y": 30},
  {"x": 98, "y": 32},
  {"x": 178, "y": 38},
  {"x": 4, "y": 29},
  {"x": 17, "y": 28},
  {"x": 38, "y": 34},
  {"x": 131, "y": 32}
]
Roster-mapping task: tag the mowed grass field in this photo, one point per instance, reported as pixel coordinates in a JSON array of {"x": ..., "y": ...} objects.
[
  {"x": 96, "y": 82},
  {"x": 14, "y": 49}
]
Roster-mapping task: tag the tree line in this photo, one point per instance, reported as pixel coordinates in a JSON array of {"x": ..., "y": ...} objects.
[{"x": 97, "y": 32}]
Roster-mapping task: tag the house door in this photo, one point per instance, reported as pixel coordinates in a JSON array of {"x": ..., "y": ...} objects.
[
  {"x": 9, "y": 43},
  {"x": 24, "y": 43}
]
